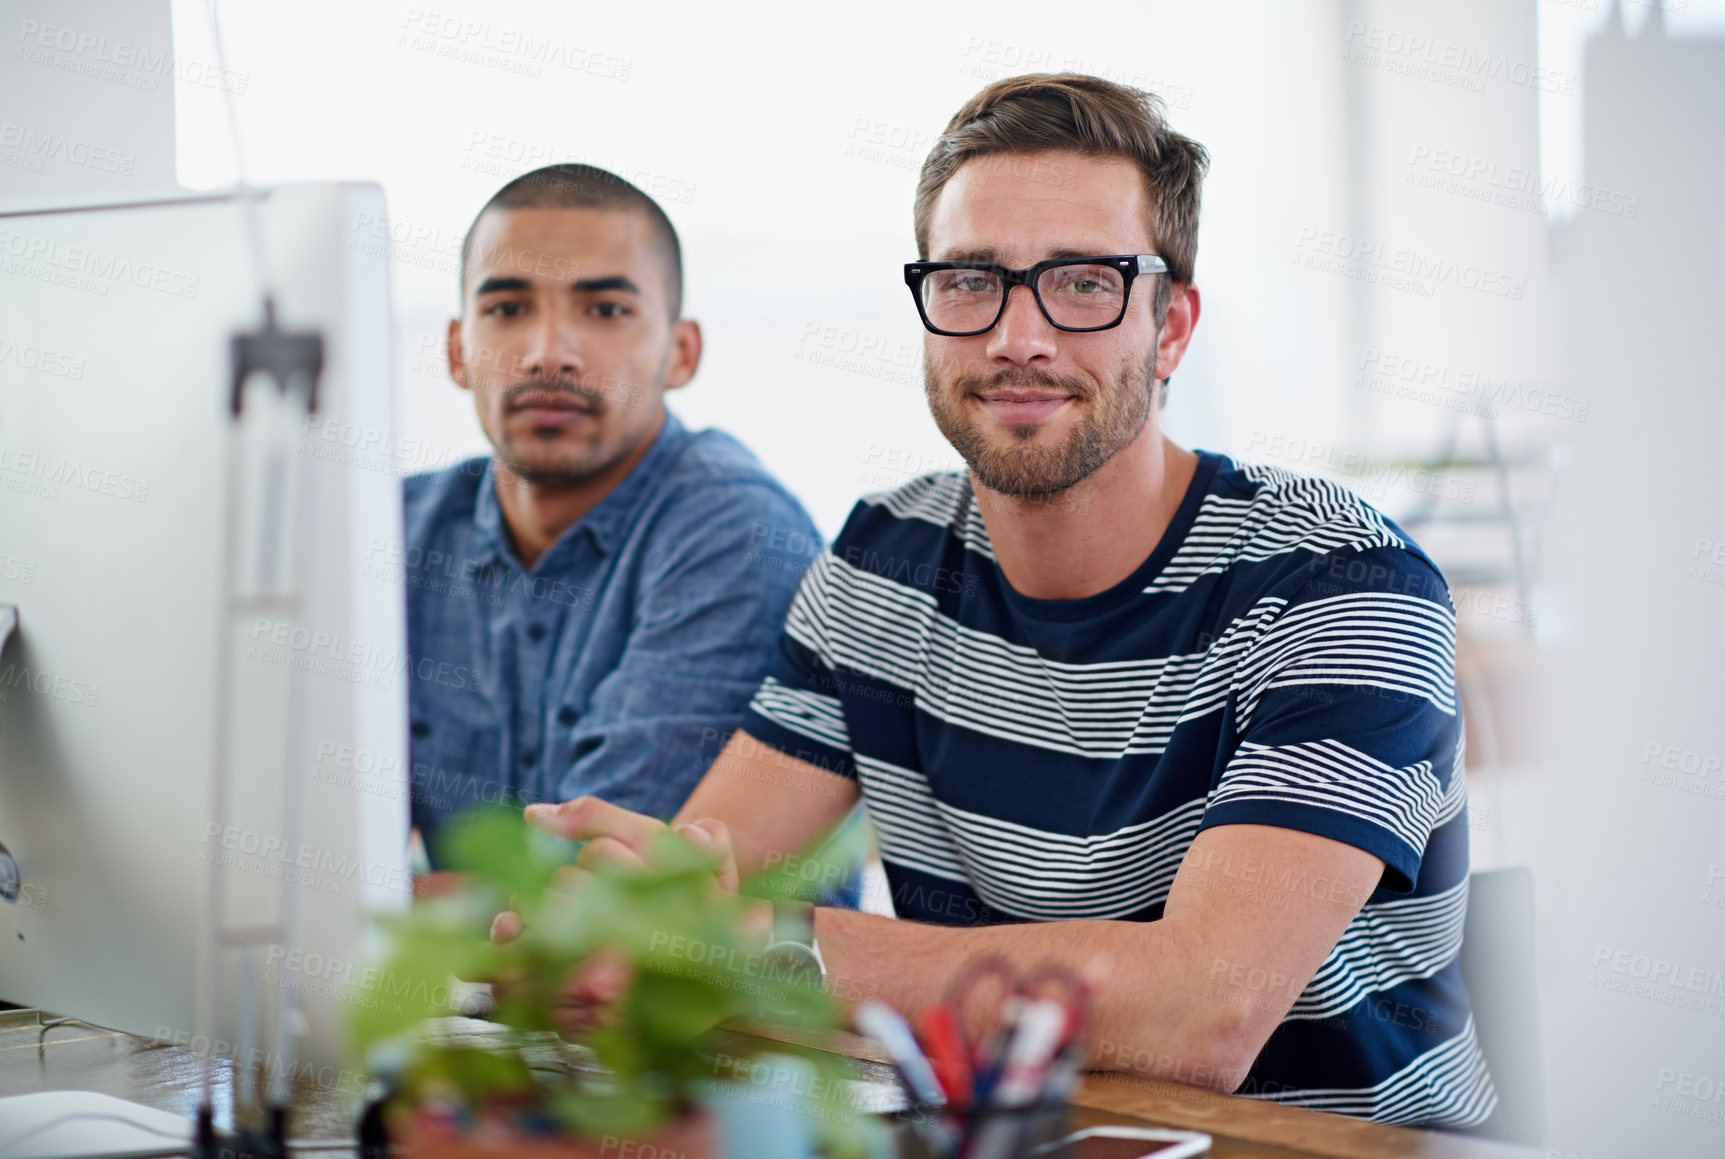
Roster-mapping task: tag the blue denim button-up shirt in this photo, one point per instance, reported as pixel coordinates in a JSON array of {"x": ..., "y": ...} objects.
[{"x": 620, "y": 662}]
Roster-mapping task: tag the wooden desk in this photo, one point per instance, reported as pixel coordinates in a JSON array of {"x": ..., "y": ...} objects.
[
  {"x": 1241, "y": 1127},
  {"x": 77, "y": 1057}
]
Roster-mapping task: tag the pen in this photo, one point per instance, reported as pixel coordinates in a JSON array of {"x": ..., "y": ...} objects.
[
  {"x": 944, "y": 1043},
  {"x": 1034, "y": 1042},
  {"x": 888, "y": 1027},
  {"x": 991, "y": 1050},
  {"x": 1063, "y": 1075}
]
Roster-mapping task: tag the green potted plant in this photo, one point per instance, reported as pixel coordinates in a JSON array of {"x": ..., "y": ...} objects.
[{"x": 692, "y": 967}]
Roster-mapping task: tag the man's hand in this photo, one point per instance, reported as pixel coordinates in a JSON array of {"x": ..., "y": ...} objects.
[
  {"x": 441, "y": 883},
  {"x": 614, "y": 834}
]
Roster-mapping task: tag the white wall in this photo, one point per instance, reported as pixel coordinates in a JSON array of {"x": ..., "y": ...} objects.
[
  {"x": 784, "y": 134},
  {"x": 87, "y": 96}
]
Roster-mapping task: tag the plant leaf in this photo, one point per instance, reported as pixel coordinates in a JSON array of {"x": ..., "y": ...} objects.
[{"x": 496, "y": 845}]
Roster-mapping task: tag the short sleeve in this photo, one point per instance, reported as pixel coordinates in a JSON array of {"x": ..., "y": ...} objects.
[
  {"x": 1346, "y": 716},
  {"x": 797, "y": 709}
]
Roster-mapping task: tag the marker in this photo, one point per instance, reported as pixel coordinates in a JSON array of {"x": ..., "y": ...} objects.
[
  {"x": 1063, "y": 1075},
  {"x": 888, "y": 1027},
  {"x": 946, "y": 1053},
  {"x": 1037, "y": 1037}
]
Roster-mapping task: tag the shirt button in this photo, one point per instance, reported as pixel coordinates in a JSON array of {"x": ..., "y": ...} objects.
[
  {"x": 536, "y": 631},
  {"x": 567, "y": 715},
  {"x": 529, "y": 758},
  {"x": 420, "y": 728}
]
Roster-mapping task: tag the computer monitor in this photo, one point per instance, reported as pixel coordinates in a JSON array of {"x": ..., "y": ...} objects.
[{"x": 115, "y": 428}]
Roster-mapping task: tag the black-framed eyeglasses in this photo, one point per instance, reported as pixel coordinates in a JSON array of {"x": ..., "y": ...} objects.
[{"x": 959, "y": 299}]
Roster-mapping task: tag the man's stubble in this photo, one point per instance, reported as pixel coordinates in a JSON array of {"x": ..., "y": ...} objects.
[{"x": 1116, "y": 415}]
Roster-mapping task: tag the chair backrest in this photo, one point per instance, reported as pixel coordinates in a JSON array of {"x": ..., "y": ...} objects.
[{"x": 1497, "y": 964}]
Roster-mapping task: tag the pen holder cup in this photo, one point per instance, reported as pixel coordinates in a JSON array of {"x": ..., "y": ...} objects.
[{"x": 996, "y": 1133}]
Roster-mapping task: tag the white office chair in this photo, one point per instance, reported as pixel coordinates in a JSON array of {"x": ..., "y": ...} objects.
[{"x": 1497, "y": 964}]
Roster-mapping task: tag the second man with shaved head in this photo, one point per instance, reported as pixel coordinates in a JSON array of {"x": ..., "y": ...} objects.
[{"x": 607, "y": 587}]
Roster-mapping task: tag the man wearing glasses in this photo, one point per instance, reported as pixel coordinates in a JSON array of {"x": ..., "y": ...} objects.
[{"x": 1189, "y": 726}]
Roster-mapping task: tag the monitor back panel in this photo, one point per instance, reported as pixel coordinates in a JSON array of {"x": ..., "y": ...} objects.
[{"x": 114, "y": 384}]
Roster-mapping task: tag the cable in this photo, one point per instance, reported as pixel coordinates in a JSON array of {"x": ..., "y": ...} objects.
[{"x": 261, "y": 272}]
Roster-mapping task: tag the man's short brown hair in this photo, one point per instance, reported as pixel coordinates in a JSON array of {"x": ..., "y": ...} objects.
[{"x": 1087, "y": 115}]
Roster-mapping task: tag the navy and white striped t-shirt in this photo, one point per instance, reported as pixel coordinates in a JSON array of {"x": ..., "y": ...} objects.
[{"x": 1284, "y": 657}]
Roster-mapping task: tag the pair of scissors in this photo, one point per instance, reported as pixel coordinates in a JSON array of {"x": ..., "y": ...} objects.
[{"x": 969, "y": 1070}]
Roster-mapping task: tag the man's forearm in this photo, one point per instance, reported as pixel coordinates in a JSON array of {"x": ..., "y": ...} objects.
[
  {"x": 773, "y": 804},
  {"x": 1155, "y": 1010},
  {"x": 1191, "y": 996}
]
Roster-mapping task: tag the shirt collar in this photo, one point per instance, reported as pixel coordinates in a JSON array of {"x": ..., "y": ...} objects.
[{"x": 604, "y": 525}]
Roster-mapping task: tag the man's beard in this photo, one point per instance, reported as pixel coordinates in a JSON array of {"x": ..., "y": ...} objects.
[
  {"x": 1023, "y": 470},
  {"x": 558, "y": 460}
]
